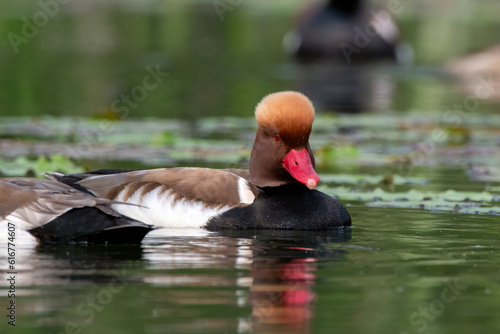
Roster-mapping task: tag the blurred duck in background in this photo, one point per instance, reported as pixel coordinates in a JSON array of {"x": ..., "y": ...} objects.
[
  {"x": 333, "y": 41},
  {"x": 343, "y": 31},
  {"x": 479, "y": 73}
]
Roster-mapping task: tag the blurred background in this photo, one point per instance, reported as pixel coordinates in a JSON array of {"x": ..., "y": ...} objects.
[
  {"x": 221, "y": 57},
  {"x": 407, "y": 136}
]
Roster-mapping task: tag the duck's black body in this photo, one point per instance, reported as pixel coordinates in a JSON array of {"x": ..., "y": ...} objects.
[
  {"x": 91, "y": 225},
  {"x": 291, "y": 207}
]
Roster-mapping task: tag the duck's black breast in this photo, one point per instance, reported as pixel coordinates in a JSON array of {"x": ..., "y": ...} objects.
[{"x": 291, "y": 206}]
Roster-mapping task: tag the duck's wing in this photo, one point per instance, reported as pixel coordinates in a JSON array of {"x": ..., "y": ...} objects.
[
  {"x": 183, "y": 197},
  {"x": 13, "y": 196},
  {"x": 33, "y": 202},
  {"x": 57, "y": 213}
]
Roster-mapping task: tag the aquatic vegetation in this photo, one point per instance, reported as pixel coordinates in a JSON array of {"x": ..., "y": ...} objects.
[
  {"x": 354, "y": 179},
  {"x": 23, "y": 166},
  {"x": 379, "y": 160},
  {"x": 468, "y": 202}
]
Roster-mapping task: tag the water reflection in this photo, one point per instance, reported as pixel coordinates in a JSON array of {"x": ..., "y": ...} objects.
[
  {"x": 52, "y": 265},
  {"x": 192, "y": 281},
  {"x": 283, "y": 276},
  {"x": 270, "y": 275},
  {"x": 350, "y": 89}
]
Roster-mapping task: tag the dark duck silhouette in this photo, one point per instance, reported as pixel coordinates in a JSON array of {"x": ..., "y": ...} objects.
[{"x": 344, "y": 32}]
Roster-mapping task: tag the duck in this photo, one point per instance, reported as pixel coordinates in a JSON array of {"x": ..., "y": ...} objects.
[
  {"x": 55, "y": 213},
  {"x": 276, "y": 192},
  {"x": 478, "y": 74},
  {"x": 345, "y": 32}
]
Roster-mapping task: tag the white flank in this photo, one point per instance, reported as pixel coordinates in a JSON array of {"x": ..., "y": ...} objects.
[
  {"x": 160, "y": 210},
  {"x": 246, "y": 195}
]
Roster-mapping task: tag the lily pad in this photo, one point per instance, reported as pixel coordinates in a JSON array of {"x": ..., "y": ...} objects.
[
  {"x": 379, "y": 194},
  {"x": 444, "y": 206},
  {"x": 365, "y": 179},
  {"x": 449, "y": 200},
  {"x": 22, "y": 166}
]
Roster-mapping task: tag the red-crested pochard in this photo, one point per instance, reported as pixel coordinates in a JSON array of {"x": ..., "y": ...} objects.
[
  {"x": 56, "y": 213},
  {"x": 276, "y": 193}
]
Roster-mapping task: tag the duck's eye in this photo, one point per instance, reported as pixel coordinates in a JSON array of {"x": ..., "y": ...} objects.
[{"x": 277, "y": 137}]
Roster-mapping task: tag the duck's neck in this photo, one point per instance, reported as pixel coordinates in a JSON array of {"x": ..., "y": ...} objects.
[
  {"x": 286, "y": 190},
  {"x": 348, "y": 7}
]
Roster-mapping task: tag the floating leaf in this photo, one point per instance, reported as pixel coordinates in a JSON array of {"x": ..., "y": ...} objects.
[
  {"x": 23, "y": 166},
  {"x": 449, "y": 200},
  {"x": 164, "y": 138},
  {"x": 379, "y": 194},
  {"x": 356, "y": 179},
  {"x": 445, "y": 206}
]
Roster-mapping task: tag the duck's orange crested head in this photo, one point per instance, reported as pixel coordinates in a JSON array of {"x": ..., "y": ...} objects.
[
  {"x": 281, "y": 153},
  {"x": 289, "y": 114}
]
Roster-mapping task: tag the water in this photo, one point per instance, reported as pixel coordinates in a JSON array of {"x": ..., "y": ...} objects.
[{"x": 400, "y": 270}]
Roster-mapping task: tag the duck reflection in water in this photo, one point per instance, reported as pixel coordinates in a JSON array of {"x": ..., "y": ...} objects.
[
  {"x": 283, "y": 272},
  {"x": 278, "y": 275},
  {"x": 335, "y": 45}
]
